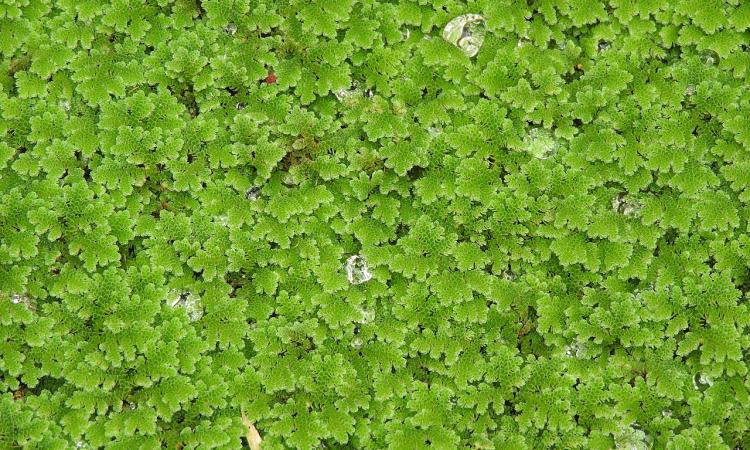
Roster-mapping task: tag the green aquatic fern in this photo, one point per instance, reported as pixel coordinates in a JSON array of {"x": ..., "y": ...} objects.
[{"x": 325, "y": 224}]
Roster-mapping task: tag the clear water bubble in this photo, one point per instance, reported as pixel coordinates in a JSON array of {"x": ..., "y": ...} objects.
[
  {"x": 190, "y": 302},
  {"x": 710, "y": 57},
  {"x": 666, "y": 413},
  {"x": 632, "y": 438},
  {"x": 65, "y": 104},
  {"x": 540, "y": 143},
  {"x": 366, "y": 316},
  {"x": 406, "y": 32},
  {"x": 357, "y": 342},
  {"x": 434, "y": 131},
  {"x": 701, "y": 382},
  {"x": 357, "y": 271},
  {"x": 523, "y": 41},
  {"x": 466, "y": 32},
  {"x": 223, "y": 220},
  {"x": 288, "y": 179},
  {"x": 230, "y": 29},
  {"x": 240, "y": 106},
  {"x": 575, "y": 350},
  {"x": 602, "y": 45},
  {"x": 350, "y": 95},
  {"x": 129, "y": 406},
  {"x": 626, "y": 205},
  {"x": 21, "y": 299},
  {"x": 253, "y": 193},
  {"x": 690, "y": 90},
  {"x": 344, "y": 94}
]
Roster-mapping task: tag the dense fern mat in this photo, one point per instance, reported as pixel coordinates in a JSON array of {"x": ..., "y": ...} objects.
[{"x": 319, "y": 224}]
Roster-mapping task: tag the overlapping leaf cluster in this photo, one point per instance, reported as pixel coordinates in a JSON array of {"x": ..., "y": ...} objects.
[{"x": 512, "y": 306}]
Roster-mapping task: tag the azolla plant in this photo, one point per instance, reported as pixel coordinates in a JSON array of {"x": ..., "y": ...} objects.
[{"x": 390, "y": 225}]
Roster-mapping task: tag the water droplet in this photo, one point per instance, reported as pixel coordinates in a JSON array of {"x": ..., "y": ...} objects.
[
  {"x": 240, "y": 105},
  {"x": 508, "y": 274},
  {"x": 357, "y": 342},
  {"x": 710, "y": 57},
  {"x": 466, "y": 32},
  {"x": 602, "y": 45},
  {"x": 21, "y": 299},
  {"x": 626, "y": 205},
  {"x": 666, "y": 413},
  {"x": 65, "y": 104},
  {"x": 540, "y": 143},
  {"x": 357, "y": 271},
  {"x": 190, "y": 302},
  {"x": 701, "y": 381},
  {"x": 348, "y": 95},
  {"x": 345, "y": 94},
  {"x": 230, "y": 29},
  {"x": 690, "y": 90},
  {"x": 577, "y": 349},
  {"x": 434, "y": 131},
  {"x": 632, "y": 438},
  {"x": 366, "y": 316},
  {"x": 253, "y": 193},
  {"x": 523, "y": 41},
  {"x": 406, "y": 32},
  {"x": 223, "y": 220}
]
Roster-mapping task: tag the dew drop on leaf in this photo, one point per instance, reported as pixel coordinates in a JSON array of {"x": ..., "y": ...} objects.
[
  {"x": 632, "y": 438},
  {"x": 253, "y": 193},
  {"x": 357, "y": 271},
  {"x": 190, "y": 302},
  {"x": 540, "y": 143},
  {"x": 710, "y": 57},
  {"x": 20, "y": 299},
  {"x": 702, "y": 381},
  {"x": 368, "y": 316},
  {"x": 575, "y": 350},
  {"x": 348, "y": 95},
  {"x": 624, "y": 204},
  {"x": 466, "y": 32}
]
